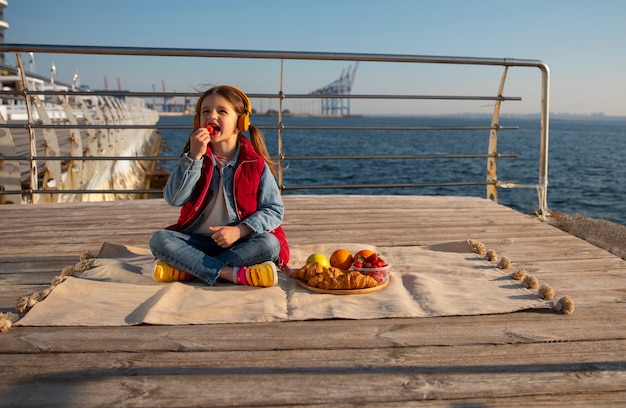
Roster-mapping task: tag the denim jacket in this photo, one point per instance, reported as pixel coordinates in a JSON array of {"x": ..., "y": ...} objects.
[{"x": 180, "y": 188}]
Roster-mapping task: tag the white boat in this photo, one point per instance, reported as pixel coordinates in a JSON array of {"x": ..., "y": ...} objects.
[{"x": 62, "y": 124}]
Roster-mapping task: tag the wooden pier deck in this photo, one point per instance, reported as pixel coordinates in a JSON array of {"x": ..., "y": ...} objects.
[{"x": 537, "y": 358}]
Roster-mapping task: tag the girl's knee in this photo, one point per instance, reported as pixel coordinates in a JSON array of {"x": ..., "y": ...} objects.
[{"x": 157, "y": 238}]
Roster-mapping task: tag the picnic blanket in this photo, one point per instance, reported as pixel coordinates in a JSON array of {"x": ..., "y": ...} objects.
[{"x": 440, "y": 280}]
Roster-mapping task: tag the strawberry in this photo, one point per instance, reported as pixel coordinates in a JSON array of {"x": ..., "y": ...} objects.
[
  {"x": 378, "y": 276},
  {"x": 372, "y": 258}
]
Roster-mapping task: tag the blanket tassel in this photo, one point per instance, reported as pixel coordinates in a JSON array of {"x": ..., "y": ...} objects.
[
  {"x": 6, "y": 321},
  {"x": 25, "y": 303},
  {"x": 565, "y": 304}
]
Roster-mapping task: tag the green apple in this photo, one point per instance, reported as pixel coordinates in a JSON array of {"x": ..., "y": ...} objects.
[{"x": 320, "y": 259}]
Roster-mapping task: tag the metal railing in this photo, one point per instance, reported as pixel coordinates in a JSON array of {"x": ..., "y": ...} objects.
[{"x": 492, "y": 155}]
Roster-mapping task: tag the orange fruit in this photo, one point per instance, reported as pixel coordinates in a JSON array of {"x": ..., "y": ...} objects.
[
  {"x": 341, "y": 258},
  {"x": 363, "y": 253}
]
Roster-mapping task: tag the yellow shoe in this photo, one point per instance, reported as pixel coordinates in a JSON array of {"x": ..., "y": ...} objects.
[
  {"x": 164, "y": 272},
  {"x": 263, "y": 275}
]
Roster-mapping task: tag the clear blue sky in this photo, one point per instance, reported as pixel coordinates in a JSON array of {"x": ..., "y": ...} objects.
[{"x": 583, "y": 42}]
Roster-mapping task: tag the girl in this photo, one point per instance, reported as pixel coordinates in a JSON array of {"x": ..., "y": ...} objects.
[{"x": 229, "y": 224}]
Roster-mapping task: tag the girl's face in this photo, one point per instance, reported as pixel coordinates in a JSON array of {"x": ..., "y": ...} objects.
[{"x": 217, "y": 111}]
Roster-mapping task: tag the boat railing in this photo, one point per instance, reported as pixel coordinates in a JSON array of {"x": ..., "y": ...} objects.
[{"x": 63, "y": 94}]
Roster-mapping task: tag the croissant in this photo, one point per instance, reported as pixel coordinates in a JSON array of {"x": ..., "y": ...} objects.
[
  {"x": 327, "y": 274},
  {"x": 349, "y": 280},
  {"x": 307, "y": 272}
]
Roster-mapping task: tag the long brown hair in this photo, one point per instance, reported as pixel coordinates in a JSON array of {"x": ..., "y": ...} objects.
[{"x": 236, "y": 98}]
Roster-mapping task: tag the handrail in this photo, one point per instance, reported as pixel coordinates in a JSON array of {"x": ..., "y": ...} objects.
[
  {"x": 113, "y": 125},
  {"x": 275, "y": 55}
]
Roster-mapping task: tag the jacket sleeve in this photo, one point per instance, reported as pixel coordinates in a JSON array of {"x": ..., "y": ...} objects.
[{"x": 181, "y": 183}]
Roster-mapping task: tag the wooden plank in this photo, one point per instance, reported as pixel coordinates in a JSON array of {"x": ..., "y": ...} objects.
[
  {"x": 30, "y": 264},
  {"x": 587, "y": 323},
  {"x": 294, "y": 377}
]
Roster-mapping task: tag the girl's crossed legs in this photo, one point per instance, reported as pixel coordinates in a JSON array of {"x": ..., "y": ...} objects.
[{"x": 201, "y": 257}]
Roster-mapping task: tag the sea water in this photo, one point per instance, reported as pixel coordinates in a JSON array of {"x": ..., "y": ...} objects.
[{"x": 586, "y": 170}]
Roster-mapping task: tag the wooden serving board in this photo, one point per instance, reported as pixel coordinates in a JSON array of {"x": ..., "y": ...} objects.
[{"x": 344, "y": 291}]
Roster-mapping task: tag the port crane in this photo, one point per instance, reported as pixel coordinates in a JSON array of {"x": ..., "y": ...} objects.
[{"x": 336, "y": 105}]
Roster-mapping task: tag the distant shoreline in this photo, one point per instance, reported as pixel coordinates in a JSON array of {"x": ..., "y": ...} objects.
[
  {"x": 172, "y": 114},
  {"x": 553, "y": 116},
  {"x": 299, "y": 115}
]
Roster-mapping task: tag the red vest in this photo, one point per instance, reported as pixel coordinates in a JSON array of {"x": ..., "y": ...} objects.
[{"x": 246, "y": 181}]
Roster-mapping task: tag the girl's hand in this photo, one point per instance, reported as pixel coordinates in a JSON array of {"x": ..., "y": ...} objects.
[
  {"x": 226, "y": 236},
  {"x": 198, "y": 142}
]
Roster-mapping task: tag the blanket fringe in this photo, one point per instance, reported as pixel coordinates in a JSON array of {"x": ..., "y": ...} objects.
[
  {"x": 25, "y": 303},
  {"x": 6, "y": 321},
  {"x": 565, "y": 304}
]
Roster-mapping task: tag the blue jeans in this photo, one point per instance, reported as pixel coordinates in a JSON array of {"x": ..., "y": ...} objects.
[{"x": 200, "y": 256}]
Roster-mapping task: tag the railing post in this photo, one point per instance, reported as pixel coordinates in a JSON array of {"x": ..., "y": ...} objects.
[
  {"x": 280, "y": 128},
  {"x": 492, "y": 174},
  {"x": 542, "y": 185},
  {"x": 33, "y": 182}
]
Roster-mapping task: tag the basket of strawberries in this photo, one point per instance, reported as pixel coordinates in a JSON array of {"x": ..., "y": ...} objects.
[{"x": 372, "y": 264}]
